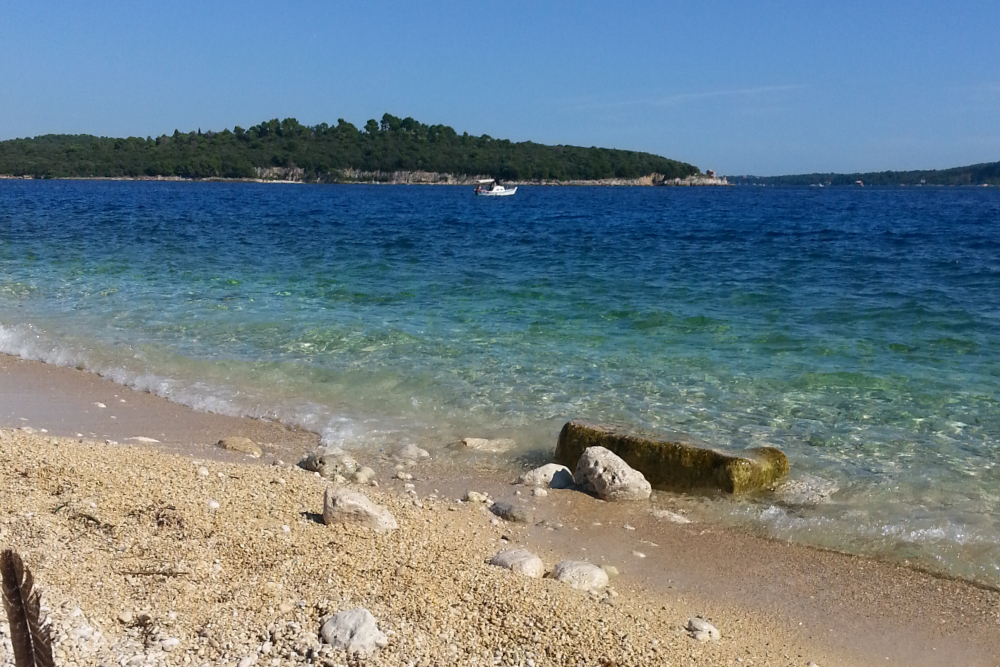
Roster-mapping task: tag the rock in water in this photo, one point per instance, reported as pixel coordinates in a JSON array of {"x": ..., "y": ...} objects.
[
  {"x": 520, "y": 561},
  {"x": 551, "y": 475},
  {"x": 355, "y": 630},
  {"x": 581, "y": 575},
  {"x": 806, "y": 490},
  {"x": 330, "y": 462},
  {"x": 679, "y": 465},
  {"x": 702, "y": 630},
  {"x": 672, "y": 517},
  {"x": 343, "y": 506},
  {"x": 498, "y": 446},
  {"x": 606, "y": 474},
  {"x": 412, "y": 453},
  {"x": 242, "y": 445},
  {"x": 509, "y": 511}
]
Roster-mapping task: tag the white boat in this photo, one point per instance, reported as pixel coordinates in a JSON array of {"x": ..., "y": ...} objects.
[{"x": 495, "y": 190}]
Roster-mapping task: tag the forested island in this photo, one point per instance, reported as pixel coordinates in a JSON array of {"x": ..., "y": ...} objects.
[
  {"x": 976, "y": 174},
  {"x": 288, "y": 150}
]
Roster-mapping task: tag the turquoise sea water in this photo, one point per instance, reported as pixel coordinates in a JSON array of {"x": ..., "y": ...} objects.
[{"x": 856, "y": 329}]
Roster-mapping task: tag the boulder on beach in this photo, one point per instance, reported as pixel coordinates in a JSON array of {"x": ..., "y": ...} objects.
[
  {"x": 581, "y": 575},
  {"x": 343, "y": 506},
  {"x": 676, "y": 465},
  {"x": 241, "y": 445},
  {"x": 520, "y": 561},
  {"x": 551, "y": 475},
  {"x": 602, "y": 472},
  {"x": 330, "y": 462},
  {"x": 355, "y": 631}
]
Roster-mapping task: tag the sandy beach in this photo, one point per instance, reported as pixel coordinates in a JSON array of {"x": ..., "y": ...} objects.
[{"x": 177, "y": 552}]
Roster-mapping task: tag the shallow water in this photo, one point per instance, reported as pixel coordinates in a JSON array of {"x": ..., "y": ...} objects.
[{"x": 857, "y": 329}]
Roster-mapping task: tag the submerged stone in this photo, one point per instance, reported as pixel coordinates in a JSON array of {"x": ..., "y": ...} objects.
[
  {"x": 676, "y": 465},
  {"x": 239, "y": 444}
]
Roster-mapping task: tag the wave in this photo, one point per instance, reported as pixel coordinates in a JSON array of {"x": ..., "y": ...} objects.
[{"x": 28, "y": 342}]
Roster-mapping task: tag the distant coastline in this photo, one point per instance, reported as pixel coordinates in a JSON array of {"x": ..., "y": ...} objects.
[
  {"x": 353, "y": 177},
  {"x": 390, "y": 150}
]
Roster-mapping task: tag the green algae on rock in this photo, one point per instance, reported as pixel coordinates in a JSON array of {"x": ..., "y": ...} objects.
[{"x": 675, "y": 465}]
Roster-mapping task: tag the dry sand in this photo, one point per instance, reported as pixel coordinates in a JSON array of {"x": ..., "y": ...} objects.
[{"x": 131, "y": 552}]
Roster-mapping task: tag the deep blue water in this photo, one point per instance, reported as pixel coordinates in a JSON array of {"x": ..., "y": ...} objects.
[{"x": 857, "y": 329}]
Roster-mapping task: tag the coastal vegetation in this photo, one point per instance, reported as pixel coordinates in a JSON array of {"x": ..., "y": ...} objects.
[
  {"x": 976, "y": 174},
  {"x": 322, "y": 153}
]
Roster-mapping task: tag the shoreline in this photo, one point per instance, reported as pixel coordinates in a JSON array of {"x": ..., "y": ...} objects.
[
  {"x": 402, "y": 178},
  {"x": 851, "y": 609}
]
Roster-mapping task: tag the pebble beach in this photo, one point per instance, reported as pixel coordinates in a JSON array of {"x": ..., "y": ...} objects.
[
  {"x": 172, "y": 550},
  {"x": 148, "y": 558}
]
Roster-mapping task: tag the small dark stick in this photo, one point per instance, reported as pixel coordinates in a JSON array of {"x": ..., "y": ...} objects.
[{"x": 30, "y": 639}]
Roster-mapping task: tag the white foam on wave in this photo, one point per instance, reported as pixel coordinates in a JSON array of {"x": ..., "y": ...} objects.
[{"x": 28, "y": 342}]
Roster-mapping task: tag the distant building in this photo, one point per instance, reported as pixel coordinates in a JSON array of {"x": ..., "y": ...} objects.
[{"x": 710, "y": 173}]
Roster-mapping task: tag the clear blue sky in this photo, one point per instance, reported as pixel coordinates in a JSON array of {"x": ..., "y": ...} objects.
[{"x": 741, "y": 87}]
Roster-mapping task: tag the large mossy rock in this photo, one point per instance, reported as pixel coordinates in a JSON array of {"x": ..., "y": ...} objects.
[{"x": 676, "y": 466}]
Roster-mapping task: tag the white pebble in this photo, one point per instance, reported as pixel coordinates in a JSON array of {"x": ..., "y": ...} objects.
[
  {"x": 202, "y": 471},
  {"x": 213, "y": 504}
]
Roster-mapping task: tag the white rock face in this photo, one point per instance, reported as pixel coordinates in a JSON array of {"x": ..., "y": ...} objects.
[
  {"x": 354, "y": 630},
  {"x": 581, "y": 575},
  {"x": 412, "y": 453},
  {"x": 343, "y": 506},
  {"x": 551, "y": 475},
  {"x": 702, "y": 630},
  {"x": 520, "y": 561},
  {"x": 602, "y": 471}
]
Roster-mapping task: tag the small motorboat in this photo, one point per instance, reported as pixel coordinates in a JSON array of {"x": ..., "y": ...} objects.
[{"x": 488, "y": 187}]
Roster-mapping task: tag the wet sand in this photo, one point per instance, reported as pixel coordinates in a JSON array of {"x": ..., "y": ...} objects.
[{"x": 776, "y": 603}]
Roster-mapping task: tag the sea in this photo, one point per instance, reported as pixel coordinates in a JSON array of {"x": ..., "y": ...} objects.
[{"x": 857, "y": 329}]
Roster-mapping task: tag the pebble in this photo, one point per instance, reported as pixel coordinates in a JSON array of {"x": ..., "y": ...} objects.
[
  {"x": 240, "y": 445},
  {"x": 203, "y": 471},
  {"x": 213, "y": 504},
  {"x": 513, "y": 512},
  {"x": 672, "y": 517},
  {"x": 520, "y": 561},
  {"x": 702, "y": 630},
  {"x": 581, "y": 575},
  {"x": 412, "y": 453},
  {"x": 344, "y": 506},
  {"x": 125, "y": 617},
  {"x": 403, "y": 475},
  {"x": 169, "y": 644},
  {"x": 552, "y": 475},
  {"x": 476, "y": 497},
  {"x": 485, "y": 445},
  {"x": 540, "y": 493},
  {"x": 355, "y": 630}
]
